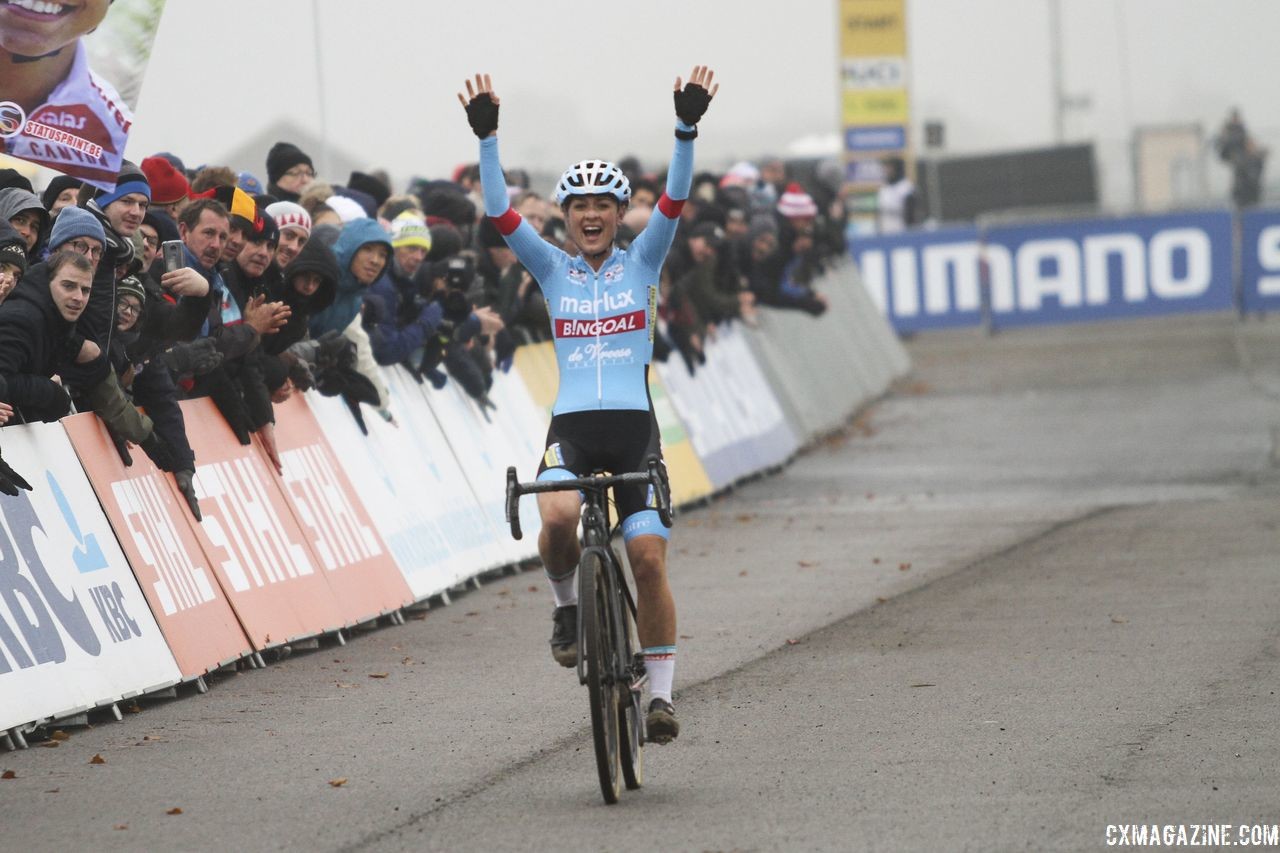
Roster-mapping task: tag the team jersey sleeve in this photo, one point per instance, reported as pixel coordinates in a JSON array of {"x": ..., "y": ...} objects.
[
  {"x": 538, "y": 256},
  {"x": 654, "y": 241}
]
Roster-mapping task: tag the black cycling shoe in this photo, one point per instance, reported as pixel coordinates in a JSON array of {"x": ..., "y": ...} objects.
[
  {"x": 564, "y": 635},
  {"x": 660, "y": 723}
]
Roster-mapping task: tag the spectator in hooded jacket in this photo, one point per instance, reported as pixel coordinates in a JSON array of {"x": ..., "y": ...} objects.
[
  {"x": 308, "y": 286},
  {"x": 363, "y": 250},
  {"x": 24, "y": 212},
  {"x": 397, "y": 319}
]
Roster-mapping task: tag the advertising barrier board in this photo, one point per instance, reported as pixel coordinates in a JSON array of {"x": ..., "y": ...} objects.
[
  {"x": 271, "y": 577},
  {"x": 75, "y": 630},
  {"x": 923, "y": 279},
  {"x": 1137, "y": 266},
  {"x": 1053, "y": 272},
  {"x": 484, "y": 450},
  {"x": 416, "y": 494},
  {"x": 729, "y": 411},
  {"x": 355, "y": 559},
  {"x": 1260, "y": 260},
  {"x": 153, "y": 525}
]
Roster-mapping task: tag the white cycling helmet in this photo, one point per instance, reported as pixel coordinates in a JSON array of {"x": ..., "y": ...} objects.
[{"x": 593, "y": 177}]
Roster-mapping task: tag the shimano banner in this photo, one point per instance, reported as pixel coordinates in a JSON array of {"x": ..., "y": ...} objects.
[
  {"x": 1260, "y": 260},
  {"x": 1052, "y": 272},
  {"x": 1102, "y": 269},
  {"x": 923, "y": 279}
]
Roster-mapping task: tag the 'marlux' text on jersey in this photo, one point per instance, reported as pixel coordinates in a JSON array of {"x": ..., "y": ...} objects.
[{"x": 606, "y": 302}]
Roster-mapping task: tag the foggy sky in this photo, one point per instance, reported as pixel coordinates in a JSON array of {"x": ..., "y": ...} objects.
[{"x": 583, "y": 80}]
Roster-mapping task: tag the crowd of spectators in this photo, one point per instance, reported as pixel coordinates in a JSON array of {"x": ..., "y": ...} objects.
[{"x": 183, "y": 283}]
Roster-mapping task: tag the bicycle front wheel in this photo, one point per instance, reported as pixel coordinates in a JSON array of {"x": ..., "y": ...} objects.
[
  {"x": 598, "y": 633},
  {"x": 630, "y": 715}
]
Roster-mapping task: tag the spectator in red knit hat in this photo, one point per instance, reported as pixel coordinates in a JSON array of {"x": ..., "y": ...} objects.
[{"x": 170, "y": 189}]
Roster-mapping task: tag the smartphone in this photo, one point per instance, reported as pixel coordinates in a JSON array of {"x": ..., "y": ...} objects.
[{"x": 172, "y": 251}]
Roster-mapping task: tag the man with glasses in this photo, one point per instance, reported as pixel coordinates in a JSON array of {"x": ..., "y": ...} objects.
[
  {"x": 289, "y": 171},
  {"x": 80, "y": 231}
]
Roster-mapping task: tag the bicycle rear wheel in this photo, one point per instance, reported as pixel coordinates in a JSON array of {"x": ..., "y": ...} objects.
[{"x": 598, "y": 632}]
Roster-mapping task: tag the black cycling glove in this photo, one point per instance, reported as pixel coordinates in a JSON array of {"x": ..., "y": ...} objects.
[
  {"x": 160, "y": 451},
  {"x": 482, "y": 113},
  {"x": 691, "y": 102},
  {"x": 11, "y": 480}
]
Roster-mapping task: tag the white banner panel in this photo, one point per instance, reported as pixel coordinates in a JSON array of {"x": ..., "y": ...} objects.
[
  {"x": 729, "y": 411},
  {"x": 525, "y": 424},
  {"x": 75, "y": 629},
  {"x": 411, "y": 484},
  {"x": 484, "y": 447}
]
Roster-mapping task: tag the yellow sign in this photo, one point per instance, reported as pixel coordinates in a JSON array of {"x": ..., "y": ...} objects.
[
  {"x": 875, "y": 107},
  {"x": 873, "y": 28},
  {"x": 875, "y": 102}
]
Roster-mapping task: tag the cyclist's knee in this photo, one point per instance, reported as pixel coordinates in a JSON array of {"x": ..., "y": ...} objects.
[
  {"x": 559, "y": 512},
  {"x": 648, "y": 558}
]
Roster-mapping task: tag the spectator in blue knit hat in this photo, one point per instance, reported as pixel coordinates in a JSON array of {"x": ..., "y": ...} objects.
[
  {"x": 80, "y": 231},
  {"x": 127, "y": 202},
  {"x": 250, "y": 184}
]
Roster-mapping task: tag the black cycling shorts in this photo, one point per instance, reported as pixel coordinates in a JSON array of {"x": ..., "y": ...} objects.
[{"x": 614, "y": 440}]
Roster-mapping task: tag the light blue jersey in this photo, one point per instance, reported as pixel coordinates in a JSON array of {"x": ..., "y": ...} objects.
[{"x": 602, "y": 322}]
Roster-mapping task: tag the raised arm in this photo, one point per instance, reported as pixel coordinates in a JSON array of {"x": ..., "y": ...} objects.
[
  {"x": 691, "y": 102},
  {"x": 481, "y": 103}
]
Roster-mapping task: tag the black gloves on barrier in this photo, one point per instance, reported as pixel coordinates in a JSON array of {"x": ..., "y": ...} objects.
[
  {"x": 197, "y": 358},
  {"x": 230, "y": 402},
  {"x": 160, "y": 451},
  {"x": 122, "y": 447},
  {"x": 188, "y": 489},
  {"x": 11, "y": 480},
  {"x": 691, "y": 103},
  {"x": 157, "y": 449},
  {"x": 482, "y": 114},
  {"x": 299, "y": 372}
]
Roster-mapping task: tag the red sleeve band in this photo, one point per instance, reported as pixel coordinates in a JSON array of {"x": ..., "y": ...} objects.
[
  {"x": 507, "y": 222},
  {"x": 669, "y": 207}
]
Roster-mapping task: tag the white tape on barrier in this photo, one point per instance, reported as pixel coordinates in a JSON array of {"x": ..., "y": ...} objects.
[{"x": 75, "y": 629}]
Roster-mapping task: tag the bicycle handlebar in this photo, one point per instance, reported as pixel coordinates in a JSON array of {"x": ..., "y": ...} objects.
[{"x": 655, "y": 475}]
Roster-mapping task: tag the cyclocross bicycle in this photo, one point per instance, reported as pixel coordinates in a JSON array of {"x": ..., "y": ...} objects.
[{"x": 609, "y": 659}]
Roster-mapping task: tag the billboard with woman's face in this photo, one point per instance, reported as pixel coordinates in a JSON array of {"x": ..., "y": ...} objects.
[{"x": 70, "y": 73}]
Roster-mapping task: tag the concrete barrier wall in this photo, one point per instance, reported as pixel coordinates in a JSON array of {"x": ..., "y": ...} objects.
[{"x": 110, "y": 588}]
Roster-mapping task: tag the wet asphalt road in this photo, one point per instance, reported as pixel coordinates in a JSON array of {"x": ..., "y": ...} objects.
[{"x": 1033, "y": 592}]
